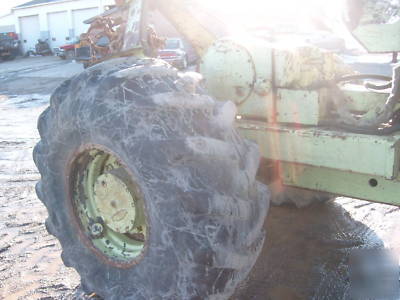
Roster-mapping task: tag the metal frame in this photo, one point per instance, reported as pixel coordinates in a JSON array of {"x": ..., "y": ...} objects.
[
  {"x": 289, "y": 92},
  {"x": 349, "y": 152},
  {"x": 337, "y": 162},
  {"x": 342, "y": 183}
]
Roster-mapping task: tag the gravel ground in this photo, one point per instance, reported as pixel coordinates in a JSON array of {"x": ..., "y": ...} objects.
[
  {"x": 30, "y": 267},
  {"x": 305, "y": 255}
]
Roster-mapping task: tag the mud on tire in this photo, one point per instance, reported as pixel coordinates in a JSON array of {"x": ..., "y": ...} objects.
[{"x": 204, "y": 207}]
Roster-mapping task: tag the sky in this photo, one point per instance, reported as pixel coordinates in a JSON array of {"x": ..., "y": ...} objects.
[{"x": 6, "y": 5}]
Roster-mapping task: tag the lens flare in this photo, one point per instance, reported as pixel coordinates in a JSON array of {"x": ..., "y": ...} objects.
[{"x": 271, "y": 13}]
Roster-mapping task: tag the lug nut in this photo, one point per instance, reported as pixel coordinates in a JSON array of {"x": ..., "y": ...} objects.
[{"x": 96, "y": 230}]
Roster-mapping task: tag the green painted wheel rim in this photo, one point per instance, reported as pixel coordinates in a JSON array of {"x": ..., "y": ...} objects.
[{"x": 96, "y": 214}]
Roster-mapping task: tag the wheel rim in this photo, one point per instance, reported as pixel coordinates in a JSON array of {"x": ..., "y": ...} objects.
[{"x": 108, "y": 205}]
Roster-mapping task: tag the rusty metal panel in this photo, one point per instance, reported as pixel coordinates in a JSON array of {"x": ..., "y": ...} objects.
[
  {"x": 365, "y": 154},
  {"x": 304, "y": 67}
]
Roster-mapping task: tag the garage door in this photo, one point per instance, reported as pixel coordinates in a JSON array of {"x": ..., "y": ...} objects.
[
  {"x": 80, "y": 15},
  {"x": 58, "y": 28},
  {"x": 30, "y": 32}
]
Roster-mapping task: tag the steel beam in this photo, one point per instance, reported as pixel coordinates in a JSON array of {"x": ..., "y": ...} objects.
[
  {"x": 343, "y": 151},
  {"x": 354, "y": 185}
]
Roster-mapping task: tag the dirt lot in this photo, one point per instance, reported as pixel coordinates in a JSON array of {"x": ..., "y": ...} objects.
[
  {"x": 30, "y": 267},
  {"x": 305, "y": 255}
]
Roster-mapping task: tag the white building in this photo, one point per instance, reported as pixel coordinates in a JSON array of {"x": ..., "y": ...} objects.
[{"x": 57, "y": 21}]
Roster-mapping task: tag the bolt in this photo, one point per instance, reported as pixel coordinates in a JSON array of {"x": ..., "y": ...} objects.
[{"x": 96, "y": 230}]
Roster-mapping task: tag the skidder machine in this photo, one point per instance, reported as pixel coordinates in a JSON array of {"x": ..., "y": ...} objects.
[{"x": 149, "y": 177}]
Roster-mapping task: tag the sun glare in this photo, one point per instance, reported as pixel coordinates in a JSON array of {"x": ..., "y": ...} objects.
[{"x": 272, "y": 13}]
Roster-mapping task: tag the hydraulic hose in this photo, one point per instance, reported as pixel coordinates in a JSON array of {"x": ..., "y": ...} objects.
[
  {"x": 383, "y": 116},
  {"x": 363, "y": 76}
]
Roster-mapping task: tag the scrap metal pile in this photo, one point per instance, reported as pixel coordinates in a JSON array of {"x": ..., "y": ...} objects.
[{"x": 107, "y": 34}]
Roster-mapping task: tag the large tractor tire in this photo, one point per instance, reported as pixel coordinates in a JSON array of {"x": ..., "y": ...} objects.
[{"x": 149, "y": 188}]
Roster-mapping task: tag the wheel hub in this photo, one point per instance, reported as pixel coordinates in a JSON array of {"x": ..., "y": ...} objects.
[
  {"x": 109, "y": 205},
  {"x": 114, "y": 203}
]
